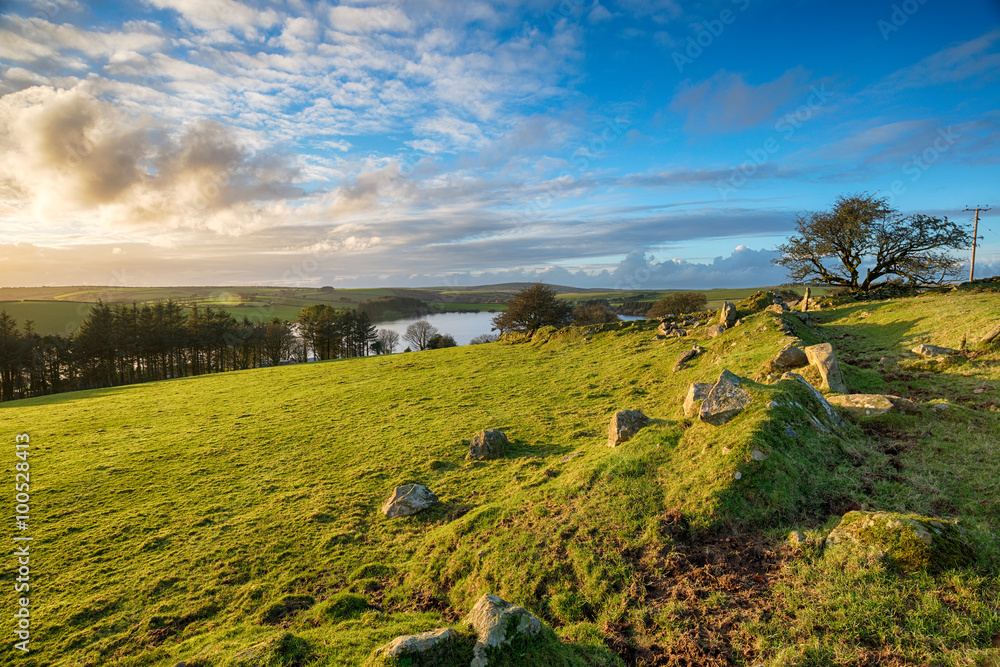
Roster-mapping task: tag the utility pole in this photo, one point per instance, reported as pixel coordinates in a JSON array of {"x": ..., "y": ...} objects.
[{"x": 975, "y": 238}]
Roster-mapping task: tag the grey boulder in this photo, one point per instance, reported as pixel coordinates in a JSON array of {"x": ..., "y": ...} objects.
[
  {"x": 725, "y": 400},
  {"x": 408, "y": 499}
]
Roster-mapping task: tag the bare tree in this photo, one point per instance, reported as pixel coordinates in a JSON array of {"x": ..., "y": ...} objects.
[
  {"x": 862, "y": 233},
  {"x": 388, "y": 340},
  {"x": 419, "y": 334}
]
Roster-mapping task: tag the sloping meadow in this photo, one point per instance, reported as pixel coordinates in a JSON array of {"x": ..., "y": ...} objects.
[{"x": 235, "y": 519}]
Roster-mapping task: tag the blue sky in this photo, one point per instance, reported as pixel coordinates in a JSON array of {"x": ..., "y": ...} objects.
[{"x": 617, "y": 143}]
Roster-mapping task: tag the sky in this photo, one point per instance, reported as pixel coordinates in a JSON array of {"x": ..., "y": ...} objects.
[{"x": 632, "y": 144}]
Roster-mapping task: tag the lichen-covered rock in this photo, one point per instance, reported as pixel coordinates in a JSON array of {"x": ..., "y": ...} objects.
[
  {"x": 788, "y": 358},
  {"x": 400, "y": 647},
  {"x": 904, "y": 405},
  {"x": 686, "y": 356},
  {"x": 775, "y": 309},
  {"x": 930, "y": 351},
  {"x": 487, "y": 445},
  {"x": 871, "y": 405},
  {"x": 725, "y": 400},
  {"x": 727, "y": 314},
  {"x": 823, "y": 358},
  {"x": 624, "y": 425},
  {"x": 697, "y": 392},
  {"x": 909, "y": 542},
  {"x": 498, "y": 622},
  {"x": 861, "y": 405},
  {"x": 408, "y": 499},
  {"x": 715, "y": 330},
  {"x": 828, "y": 413}
]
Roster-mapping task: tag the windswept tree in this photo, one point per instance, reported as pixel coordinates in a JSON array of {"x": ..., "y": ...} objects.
[
  {"x": 419, "y": 334},
  {"x": 863, "y": 240},
  {"x": 532, "y": 308}
]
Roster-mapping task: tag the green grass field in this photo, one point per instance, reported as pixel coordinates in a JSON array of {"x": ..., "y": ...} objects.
[{"x": 233, "y": 519}]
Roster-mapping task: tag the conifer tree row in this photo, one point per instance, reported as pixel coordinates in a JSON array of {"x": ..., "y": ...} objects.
[{"x": 118, "y": 344}]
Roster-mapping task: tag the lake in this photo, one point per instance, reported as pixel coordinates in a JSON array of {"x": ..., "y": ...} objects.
[{"x": 463, "y": 327}]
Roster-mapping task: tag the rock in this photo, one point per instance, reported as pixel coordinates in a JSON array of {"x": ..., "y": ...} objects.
[
  {"x": 410, "y": 644},
  {"x": 904, "y": 405},
  {"x": 790, "y": 433},
  {"x": 496, "y": 623},
  {"x": 727, "y": 315},
  {"x": 907, "y": 541},
  {"x": 686, "y": 356},
  {"x": 829, "y": 413},
  {"x": 725, "y": 400},
  {"x": 624, "y": 425},
  {"x": 698, "y": 391},
  {"x": 867, "y": 405},
  {"x": 714, "y": 330},
  {"x": 678, "y": 333},
  {"x": 940, "y": 407},
  {"x": 775, "y": 309},
  {"x": 408, "y": 499},
  {"x": 805, "y": 301},
  {"x": 758, "y": 455},
  {"x": 788, "y": 358},
  {"x": 932, "y": 350},
  {"x": 796, "y": 538},
  {"x": 990, "y": 335},
  {"x": 487, "y": 445},
  {"x": 822, "y": 357},
  {"x": 861, "y": 405}
]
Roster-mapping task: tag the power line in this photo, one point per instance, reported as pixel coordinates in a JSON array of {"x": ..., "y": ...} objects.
[{"x": 975, "y": 231}]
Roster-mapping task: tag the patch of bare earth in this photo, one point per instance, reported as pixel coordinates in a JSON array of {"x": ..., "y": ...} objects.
[{"x": 708, "y": 626}]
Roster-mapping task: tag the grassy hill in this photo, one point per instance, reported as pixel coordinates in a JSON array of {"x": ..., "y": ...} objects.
[{"x": 234, "y": 519}]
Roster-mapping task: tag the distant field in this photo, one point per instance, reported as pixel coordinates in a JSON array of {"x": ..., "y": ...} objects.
[
  {"x": 59, "y": 310},
  {"x": 49, "y": 317}
]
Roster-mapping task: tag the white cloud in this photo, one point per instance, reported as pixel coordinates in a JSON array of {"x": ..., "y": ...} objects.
[
  {"x": 220, "y": 14},
  {"x": 369, "y": 20}
]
